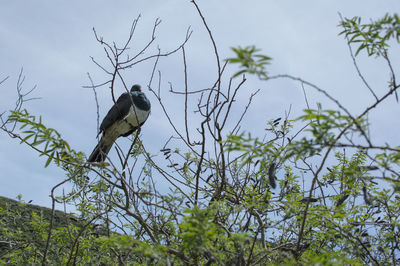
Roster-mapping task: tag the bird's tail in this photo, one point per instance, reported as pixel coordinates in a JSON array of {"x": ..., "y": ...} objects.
[{"x": 100, "y": 152}]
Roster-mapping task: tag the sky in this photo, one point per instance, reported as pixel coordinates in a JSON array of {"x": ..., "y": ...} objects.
[{"x": 53, "y": 42}]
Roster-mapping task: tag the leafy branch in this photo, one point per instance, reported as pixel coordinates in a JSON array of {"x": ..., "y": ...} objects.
[
  {"x": 373, "y": 37},
  {"x": 250, "y": 61},
  {"x": 35, "y": 134}
]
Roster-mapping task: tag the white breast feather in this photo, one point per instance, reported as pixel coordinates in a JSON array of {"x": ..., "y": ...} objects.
[{"x": 134, "y": 118}]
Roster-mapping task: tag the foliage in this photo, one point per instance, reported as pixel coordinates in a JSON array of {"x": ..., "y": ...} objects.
[
  {"x": 373, "y": 37},
  {"x": 55, "y": 148},
  {"x": 24, "y": 232},
  {"x": 249, "y": 61},
  {"x": 314, "y": 190}
]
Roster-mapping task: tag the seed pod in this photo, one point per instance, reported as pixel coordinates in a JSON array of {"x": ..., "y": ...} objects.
[
  {"x": 271, "y": 175},
  {"x": 367, "y": 199},
  {"x": 277, "y": 120},
  {"x": 369, "y": 167},
  {"x": 342, "y": 199},
  {"x": 304, "y": 200}
]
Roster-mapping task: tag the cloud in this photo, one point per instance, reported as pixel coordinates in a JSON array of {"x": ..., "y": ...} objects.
[{"x": 53, "y": 40}]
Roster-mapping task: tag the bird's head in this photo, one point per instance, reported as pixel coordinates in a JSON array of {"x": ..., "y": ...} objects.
[{"x": 136, "y": 87}]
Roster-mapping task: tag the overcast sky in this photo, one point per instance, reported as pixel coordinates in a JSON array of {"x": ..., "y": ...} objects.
[{"x": 53, "y": 42}]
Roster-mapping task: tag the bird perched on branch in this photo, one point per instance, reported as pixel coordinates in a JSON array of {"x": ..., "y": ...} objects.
[{"x": 128, "y": 114}]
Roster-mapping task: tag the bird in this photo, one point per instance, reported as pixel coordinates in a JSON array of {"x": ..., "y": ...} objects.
[{"x": 126, "y": 115}]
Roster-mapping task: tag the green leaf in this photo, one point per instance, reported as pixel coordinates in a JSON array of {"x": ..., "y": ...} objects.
[{"x": 49, "y": 159}]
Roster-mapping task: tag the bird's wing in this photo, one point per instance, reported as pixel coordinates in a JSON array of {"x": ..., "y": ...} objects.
[{"x": 119, "y": 110}]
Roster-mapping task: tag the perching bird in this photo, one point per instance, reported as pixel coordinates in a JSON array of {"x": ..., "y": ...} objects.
[{"x": 129, "y": 113}]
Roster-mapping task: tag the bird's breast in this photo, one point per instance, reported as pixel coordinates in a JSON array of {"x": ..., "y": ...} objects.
[{"x": 135, "y": 117}]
